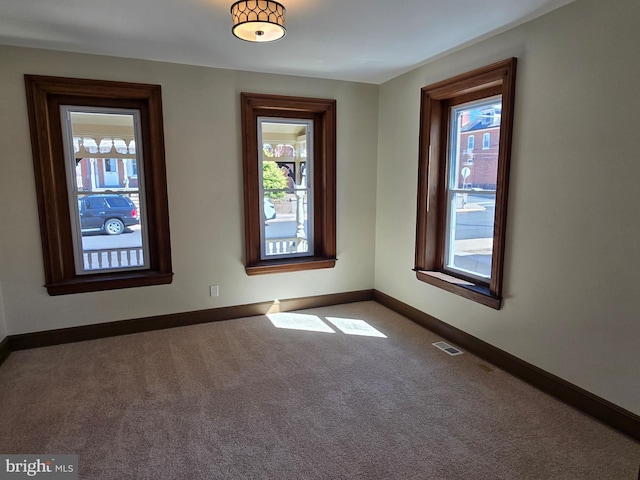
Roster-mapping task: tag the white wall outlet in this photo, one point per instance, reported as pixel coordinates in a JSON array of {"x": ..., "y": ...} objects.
[{"x": 214, "y": 290}]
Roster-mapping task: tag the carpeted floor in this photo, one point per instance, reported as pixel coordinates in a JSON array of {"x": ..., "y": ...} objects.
[{"x": 296, "y": 396}]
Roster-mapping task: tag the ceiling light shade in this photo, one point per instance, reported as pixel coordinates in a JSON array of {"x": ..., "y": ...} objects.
[{"x": 258, "y": 20}]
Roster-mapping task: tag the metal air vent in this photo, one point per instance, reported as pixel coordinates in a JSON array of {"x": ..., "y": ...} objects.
[{"x": 445, "y": 347}]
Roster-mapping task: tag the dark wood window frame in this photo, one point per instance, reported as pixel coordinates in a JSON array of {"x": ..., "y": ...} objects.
[
  {"x": 323, "y": 113},
  {"x": 45, "y": 95},
  {"x": 436, "y": 100}
]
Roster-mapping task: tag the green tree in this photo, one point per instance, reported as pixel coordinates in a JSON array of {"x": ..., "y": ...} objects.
[{"x": 273, "y": 178}]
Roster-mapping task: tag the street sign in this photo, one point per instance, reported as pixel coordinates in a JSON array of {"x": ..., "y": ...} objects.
[{"x": 465, "y": 172}]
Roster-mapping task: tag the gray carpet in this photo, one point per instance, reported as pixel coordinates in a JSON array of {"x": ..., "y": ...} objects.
[{"x": 246, "y": 399}]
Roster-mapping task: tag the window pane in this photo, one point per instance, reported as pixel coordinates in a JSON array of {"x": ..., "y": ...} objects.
[
  {"x": 106, "y": 204},
  {"x": 285, "y": 188},
  {"x": 481, "y": 164},
  {"x": 471, "y": 233},
  {"x": 285, "y": 228},
  {"x": 473, "y": 175}
]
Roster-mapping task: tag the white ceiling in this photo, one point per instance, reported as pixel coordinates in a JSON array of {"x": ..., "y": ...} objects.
[{"x": 358, "y": 40}]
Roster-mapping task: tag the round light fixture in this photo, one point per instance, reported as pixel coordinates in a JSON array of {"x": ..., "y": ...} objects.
[{"x": 258, "y": 20}]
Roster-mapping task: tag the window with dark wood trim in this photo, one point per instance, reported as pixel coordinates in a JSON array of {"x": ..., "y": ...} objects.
[
  {"x": 47, "y": 99},
  {"x": 448, "y": 110},
  {"x": 319, "y": 118}
]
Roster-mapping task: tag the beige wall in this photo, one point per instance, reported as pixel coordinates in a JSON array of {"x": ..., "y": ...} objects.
[
  {"x": 3, "y": 324},
  {"x": 572, "y": 305},
  {"x": 3, "y": 268},
  {"x": 203, "y": 149}
]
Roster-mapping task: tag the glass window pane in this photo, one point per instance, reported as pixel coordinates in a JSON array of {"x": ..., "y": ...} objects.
[
  {"x": 285, "y": 188},
  {"x": 106, "y": 204},
  {"x": 470, "y": 167},
  {"x": 286, "y": 229},
  {"x": 471, "y": 233},
  {"x": 473, "y": 175}
]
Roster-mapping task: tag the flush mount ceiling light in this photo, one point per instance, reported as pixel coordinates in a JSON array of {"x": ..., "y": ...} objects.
[{"x": 258, "y": 20}]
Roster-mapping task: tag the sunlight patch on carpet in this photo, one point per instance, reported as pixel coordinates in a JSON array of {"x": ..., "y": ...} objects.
[
  {"x": 299, "y": 321},
  {"x": 352, "y": 326}
]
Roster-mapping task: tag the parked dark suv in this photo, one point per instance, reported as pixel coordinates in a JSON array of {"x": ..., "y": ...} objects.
[{"x": 108, "y": 213}]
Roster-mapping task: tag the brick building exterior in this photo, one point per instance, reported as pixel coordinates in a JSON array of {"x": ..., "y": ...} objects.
[{"x": 479, "y": 144}]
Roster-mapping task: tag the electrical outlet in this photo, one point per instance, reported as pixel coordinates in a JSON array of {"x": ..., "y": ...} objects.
[{"x": 214, "y": 290}]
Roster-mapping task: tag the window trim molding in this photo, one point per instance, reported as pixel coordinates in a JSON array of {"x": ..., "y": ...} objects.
[
  {"x": 45, "y": 95},
  {"x": 323, "y": 112},
  {"x": 498, "y": 78}
]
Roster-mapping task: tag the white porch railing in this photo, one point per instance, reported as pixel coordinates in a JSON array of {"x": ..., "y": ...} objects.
[
  {"x": 279, "y": 246},
  {"x": 113, "y": 258}
]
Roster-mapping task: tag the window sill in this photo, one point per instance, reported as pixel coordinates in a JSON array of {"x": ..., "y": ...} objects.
[
  {"x": 477, "y": 293},
  {"x": 290, "y": 265},
  {"x": 108, "y": 281}
]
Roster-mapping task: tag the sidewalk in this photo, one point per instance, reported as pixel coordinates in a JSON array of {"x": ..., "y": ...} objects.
[
  {"x": 470, "y": 207},
  {"x": 474, "y": 246}
]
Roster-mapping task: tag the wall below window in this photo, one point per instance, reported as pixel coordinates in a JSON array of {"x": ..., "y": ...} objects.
[
  {"x": 572, "y": 255},
  {"x": 204, "y": 171}
]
